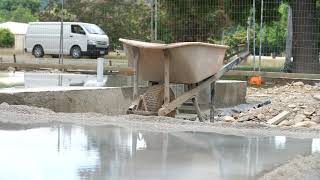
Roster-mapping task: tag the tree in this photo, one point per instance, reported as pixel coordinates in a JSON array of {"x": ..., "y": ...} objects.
[
  {"x": 6, "y": 38},
  {"x": 305, "y": 36},
  {"x": 23, "y": 15},
  {"x": 53, "y": 12},
  {"x": 19, "y": 10},
  {"x": 193, "y": 20},
  {"x": 118, "y": 18}
]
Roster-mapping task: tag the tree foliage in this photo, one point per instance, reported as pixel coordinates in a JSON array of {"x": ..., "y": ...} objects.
[
  {"x": 53, "y": 12},
  {"x": 19, "y": 10},
  {"x": 118, "y": 18},
  {"x": 6, "y": 38}
]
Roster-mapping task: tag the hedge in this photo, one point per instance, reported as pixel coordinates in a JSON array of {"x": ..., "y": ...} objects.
[{"x": 6, "y": 38}]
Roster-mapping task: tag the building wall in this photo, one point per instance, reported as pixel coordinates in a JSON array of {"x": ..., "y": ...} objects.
[{"x": 19, "y": 43}]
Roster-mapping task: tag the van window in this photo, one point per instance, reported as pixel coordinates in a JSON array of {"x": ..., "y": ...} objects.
[
  {"x": 77, "y": 29},
  {"x": 93, "y": 29}
]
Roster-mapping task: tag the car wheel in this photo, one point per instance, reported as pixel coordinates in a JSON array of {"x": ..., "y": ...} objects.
[
  {"x": 38, "y": 51},
  {"x": 76, "y": 52}
]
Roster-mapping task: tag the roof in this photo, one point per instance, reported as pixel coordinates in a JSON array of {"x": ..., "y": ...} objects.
[
  {"x": 65, "y": 23},
  {"x": 15, "y": 27}
]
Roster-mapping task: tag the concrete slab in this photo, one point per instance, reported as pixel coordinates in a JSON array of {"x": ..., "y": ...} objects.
[{"x": 229, "y": 93}]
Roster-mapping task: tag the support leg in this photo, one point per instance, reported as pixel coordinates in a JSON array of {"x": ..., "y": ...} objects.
[
  {"x": 166, "y": 77},
  {"x": 212, "y": 106},
  {"x": 136, "y": 73},
  {"x": 196, "y": 105}
]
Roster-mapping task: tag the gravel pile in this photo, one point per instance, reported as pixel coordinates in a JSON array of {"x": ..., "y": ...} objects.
[
  {"x": 297, "y": 169},
  {"x": 293, "y": 105}
]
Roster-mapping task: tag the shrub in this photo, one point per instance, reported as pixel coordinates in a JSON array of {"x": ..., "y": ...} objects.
[{"x": 6, "y": 38}]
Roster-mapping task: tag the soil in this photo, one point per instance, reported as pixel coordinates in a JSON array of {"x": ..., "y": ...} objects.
[{"x": 297, "y": 169}]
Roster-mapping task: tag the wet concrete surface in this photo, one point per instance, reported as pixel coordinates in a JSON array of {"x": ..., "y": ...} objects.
[
  {"x": 63, "y": 151},
  {"x": 45, "y": 79}
]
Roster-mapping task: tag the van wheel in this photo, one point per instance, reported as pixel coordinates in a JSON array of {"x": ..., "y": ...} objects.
[
  {"x": 38, "y": 51},
  {"x": 76, "y": 52}
]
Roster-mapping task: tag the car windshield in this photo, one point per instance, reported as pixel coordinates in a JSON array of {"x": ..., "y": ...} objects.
[{"x": 94, "y": 29}]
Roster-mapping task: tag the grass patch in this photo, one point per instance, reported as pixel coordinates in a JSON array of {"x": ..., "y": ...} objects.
[{"x": 264, "y": 69}]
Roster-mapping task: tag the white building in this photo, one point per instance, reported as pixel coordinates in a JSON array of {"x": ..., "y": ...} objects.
[{"x": 19, "y": 30}]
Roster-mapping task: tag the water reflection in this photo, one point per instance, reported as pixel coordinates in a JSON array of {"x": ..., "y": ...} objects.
[
  {"x": 316, "y": 146},
  {"x": 72, "y": 152},
  {"x": 32, "y": 80}
]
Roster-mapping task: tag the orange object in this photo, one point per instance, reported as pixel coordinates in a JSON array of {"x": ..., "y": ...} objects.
[{"x": 257, "y": 80}]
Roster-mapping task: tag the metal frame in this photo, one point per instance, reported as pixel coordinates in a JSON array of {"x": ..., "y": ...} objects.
[{"x": 191, "y": 94}]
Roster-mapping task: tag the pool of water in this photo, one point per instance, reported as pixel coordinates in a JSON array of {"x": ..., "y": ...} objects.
[
  {"x": 43, "y": 79},
  {"x": 75, "y": 152}
]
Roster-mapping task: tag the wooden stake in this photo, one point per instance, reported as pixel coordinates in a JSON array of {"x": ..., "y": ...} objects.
[{"x": 196, "y": 105}]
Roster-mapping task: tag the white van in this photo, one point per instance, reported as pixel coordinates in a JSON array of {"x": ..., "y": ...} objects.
[{"x": 78, "y": 39}]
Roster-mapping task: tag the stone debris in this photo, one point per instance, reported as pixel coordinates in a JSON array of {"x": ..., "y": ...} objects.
[
  {"x": 317, "y": 97},
  {"x": 4, "y": 104},
  {"x": 286, "y": 123},
  {"x": 229, "y": 119},
  {"x": 261, "y": 116},
  {"x": 292, "y": 105},
  {"x": 299, "y": 118},
  {"x": 279, "y": 118},
  {"x": 316, "y": 119},
  {"x": 309, "y": 112},
  {"x": 298, "y": 84},
  {"x": 305, "y": 124}
]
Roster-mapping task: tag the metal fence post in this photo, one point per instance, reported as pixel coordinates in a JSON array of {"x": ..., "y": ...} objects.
[
  {"x": 254, "y": 35},
  {"x": 287, "y": 64},
  {"x": 156, "y": 21},
  {"x": 261, "y": 32}
]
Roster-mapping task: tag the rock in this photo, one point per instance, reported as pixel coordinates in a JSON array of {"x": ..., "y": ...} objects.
[
  {"x": 11, "y": 69},
  {"x": 229, "y": 119},
  {"x": 261, "y": 117},
  {"x": 292, "y": 106},
  {"x": 309, "y": 112},
  {"x": 298, "y": 84},
  {"x": 317, "y": 97},
  {"x": 55, "y": 71},
  {"x": 316, "y": 119},
  {"x": 303, "y": 107},
  {"x": 4, "y": 104},
  {"x": 286, "y": 123},
  {"x": 295, "y": 109},
  {"x": 279, "y": 118},
  {"x": 307, "y": 119},
  {"x": 305, "y": 124},
  {"x": 299, "y": 118},
  {"x": 308, "y": 87}
]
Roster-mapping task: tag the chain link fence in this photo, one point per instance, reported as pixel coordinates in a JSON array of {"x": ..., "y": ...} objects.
[{"x": 283, "y": 35}]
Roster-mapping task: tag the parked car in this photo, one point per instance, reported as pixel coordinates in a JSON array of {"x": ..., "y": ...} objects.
[{"x": 79, "y": 39}]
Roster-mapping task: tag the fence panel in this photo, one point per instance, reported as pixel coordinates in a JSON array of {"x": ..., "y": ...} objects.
[{"x": 280, "y": 31}]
